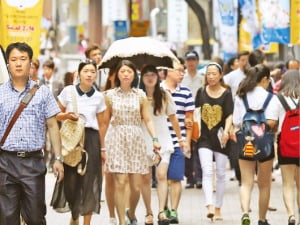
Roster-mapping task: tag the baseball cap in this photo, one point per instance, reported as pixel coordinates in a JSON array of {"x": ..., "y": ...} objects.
[{"x": 191, "y": 55}]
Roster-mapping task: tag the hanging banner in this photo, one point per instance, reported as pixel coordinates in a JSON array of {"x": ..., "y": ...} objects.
[
  {"x": 120, "y": 29},
  {"x": 295, "y": 22},
  {"x": 275, "y": 19},
  {"x": 20, "y": 21},
  {"x": 227, "y": 13},
  {"x": 251, "y": 24}
]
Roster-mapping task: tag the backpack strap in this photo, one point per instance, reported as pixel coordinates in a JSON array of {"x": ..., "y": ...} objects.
[
  {"x": 283, "y": 102},
  {"x": 270, "y": 95},
  {"x": 245, "y": 100}
]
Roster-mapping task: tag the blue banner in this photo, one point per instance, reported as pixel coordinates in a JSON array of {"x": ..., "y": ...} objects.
[
  {"x": 248, "y": 10},
  {"x": 275, "y": 18},
  {"x": 227, "y": 14},
  {"x": 120, "y": 29}
]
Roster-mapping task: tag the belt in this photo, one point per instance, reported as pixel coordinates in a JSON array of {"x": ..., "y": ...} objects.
[{"x": 23, "y": 154}]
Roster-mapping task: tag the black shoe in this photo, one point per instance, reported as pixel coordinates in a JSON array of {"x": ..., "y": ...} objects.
[
  {"x": 199, "y": 185},
  {"x": 263, "y": 222},
  {"x": 188, "y": 186},
  {"x": 173, "y": 217}
]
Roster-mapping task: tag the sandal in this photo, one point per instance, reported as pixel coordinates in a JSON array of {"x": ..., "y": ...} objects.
[
  {"x": 131, "y": 221},
  {"x": 163, "y": 219},
  {"x": 149, "y": 219},
  {"x": 292, "y": 220}
]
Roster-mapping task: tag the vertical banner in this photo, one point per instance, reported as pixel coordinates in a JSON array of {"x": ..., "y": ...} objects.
[
  {"x": 21, "y": 22},
  {"x": 227, "y": 13},
  {"x": 251, "y": 24},
  {"x": 295, "y": 22},
  {"x": 177, "y": 21},
  {"x": 120, "y": 29},
  {"x": 275, "y": 19}
]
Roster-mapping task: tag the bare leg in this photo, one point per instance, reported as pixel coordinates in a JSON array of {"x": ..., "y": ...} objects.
[
  {"x": 135, "y": 181},
  {"x": 247, "y": 176},
  {"x": 119, "y": 198},
  {"x": 109, "y": 194},
  {"x": 175, "y": 193},
  {"x": 264, "y": 179},
  {"x": 146, "y": 192},
  {"x": 288, "y": 173},
  {"x": 87, "y": 219},
  {"x": 162, "y": 185}
]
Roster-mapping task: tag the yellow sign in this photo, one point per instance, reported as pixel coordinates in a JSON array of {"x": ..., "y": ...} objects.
[
  {"x": 295, "y": 22},
  {"x": 139, "y": 28},
  {"x": 20, "y": 21}
]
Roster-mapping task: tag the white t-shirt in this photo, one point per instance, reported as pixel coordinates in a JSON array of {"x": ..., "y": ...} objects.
[
  {"x": 279, "y": 110},
  {"x": 193, "y": 83},
  {"x": 88, "y": 106},
  {"x": 233, "y": 80},
  {"x": 256, "y": 99}
]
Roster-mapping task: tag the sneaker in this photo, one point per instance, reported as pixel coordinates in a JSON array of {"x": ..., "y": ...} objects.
[
  {"x": 245, "y": 219},
  {"x": 173, "y": 216},
  {"x": 112, "y": 221},
  {"x": 263, "y": 222},
  {"x": 167, "y": 212}
]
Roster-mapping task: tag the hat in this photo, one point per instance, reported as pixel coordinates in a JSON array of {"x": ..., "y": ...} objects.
[{"x": 191, "y": 55}]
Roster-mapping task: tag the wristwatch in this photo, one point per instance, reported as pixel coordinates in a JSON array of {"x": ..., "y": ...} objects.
[{"x": 59, "y": 158}]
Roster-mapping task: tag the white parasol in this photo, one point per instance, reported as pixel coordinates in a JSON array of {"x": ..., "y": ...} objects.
[{"x": 139, "y": 50}]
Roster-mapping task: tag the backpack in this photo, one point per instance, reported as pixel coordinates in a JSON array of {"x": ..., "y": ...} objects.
[
  {"x": 289, "y": 143},
  {"x": 255, "y": 140}
]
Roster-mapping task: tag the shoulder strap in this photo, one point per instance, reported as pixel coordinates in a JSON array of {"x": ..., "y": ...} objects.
[
  {"x": 24, "y": 102},
  {"x": 74, "y": 100},
  {"x": 245, "y": 101},
  {"x": 270, "y": 95},
  {"x": 283, "y": 102}
]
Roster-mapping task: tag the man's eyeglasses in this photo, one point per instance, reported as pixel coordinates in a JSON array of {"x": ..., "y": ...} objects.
[
  {"x": 88, "y": 61},
  {"x": 177, "y": 70}
]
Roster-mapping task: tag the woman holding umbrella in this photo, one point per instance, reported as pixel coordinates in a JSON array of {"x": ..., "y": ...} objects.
[{"x": 126, "y": 150}]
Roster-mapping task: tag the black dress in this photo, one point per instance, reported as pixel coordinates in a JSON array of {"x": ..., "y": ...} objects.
[{"x": 81, "y": 194}]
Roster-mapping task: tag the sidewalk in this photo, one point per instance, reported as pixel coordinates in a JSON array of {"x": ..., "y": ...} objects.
[{"x": 191, "y": 209}]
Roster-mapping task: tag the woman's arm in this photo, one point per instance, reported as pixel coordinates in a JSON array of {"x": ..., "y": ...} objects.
[
  {"x": 63, "y": 115},
  {"x": 149, "y": 124},
  {"x": 103, "y": 120},
  {"x": 227, "y": 129}
]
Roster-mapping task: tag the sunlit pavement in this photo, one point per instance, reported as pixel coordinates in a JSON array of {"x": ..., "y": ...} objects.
[{"x": 191, "y": 209}]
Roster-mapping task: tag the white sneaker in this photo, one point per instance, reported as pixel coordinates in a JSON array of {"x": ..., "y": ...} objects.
[{"x": 112, "y": 221}]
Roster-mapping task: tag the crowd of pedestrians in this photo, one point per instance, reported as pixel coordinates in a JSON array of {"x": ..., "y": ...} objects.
[{"x": 140, "y": 120}]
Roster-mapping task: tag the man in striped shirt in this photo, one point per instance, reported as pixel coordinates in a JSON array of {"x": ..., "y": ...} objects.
[{"x": 183, "y": 99}]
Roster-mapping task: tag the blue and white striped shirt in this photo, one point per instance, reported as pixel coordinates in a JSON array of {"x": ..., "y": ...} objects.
[
  {"x": 28, "y": 133},
  {"x": 182, "y": 96}
]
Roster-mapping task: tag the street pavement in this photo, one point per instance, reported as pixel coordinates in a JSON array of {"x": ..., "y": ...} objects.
[{"x": 191, "y": 210}]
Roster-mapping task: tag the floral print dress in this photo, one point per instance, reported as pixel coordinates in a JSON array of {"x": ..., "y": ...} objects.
[{"x": 124, "y": 140}]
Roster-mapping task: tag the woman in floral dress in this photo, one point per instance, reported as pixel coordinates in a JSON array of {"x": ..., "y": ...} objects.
[{"x": 124, "y": 141}]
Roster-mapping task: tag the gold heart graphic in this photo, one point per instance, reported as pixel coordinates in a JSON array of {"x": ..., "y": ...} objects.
[{"x": 211, "y": 115}]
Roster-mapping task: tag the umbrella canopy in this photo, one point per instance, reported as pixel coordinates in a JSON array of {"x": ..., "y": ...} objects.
[
  {"x": 4, "y": 76},
  {"x": 139, "y": 50}
]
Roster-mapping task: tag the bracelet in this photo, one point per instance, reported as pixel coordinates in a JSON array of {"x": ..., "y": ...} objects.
[
  {"x": 59, "y": 158},
  {"x": 181, "y": 140},
  {"x": 155, "y": 139},
  {"x": 103, "y": 149}
]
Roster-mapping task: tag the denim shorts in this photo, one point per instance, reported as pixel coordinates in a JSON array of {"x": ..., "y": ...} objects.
[{"x": 177, "y": 165}]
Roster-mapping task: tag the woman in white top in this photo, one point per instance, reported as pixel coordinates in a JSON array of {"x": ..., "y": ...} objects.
[
  {"x": 290, "y": 167},
  {"x": 161, "y": 107},
  {"x": 254, "y": 88},
  {"x": 83, "y": 192}
]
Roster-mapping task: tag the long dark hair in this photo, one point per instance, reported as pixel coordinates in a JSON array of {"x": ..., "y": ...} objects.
[
  {"x": 253, "y": 77},
  {"x": 130, "y": 65},
  {"x": 159, "y": 95}
]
